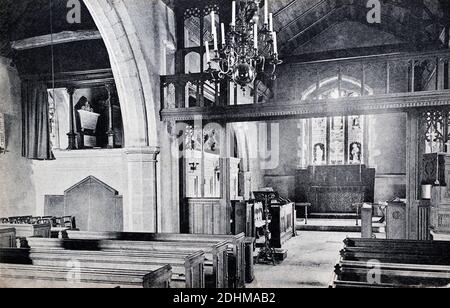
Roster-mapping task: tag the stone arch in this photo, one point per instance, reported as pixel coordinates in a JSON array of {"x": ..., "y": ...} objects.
[{"x": 127, "y": 62}]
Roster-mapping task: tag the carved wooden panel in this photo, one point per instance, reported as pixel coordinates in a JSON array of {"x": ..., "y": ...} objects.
[{"x": 208, "y": 216}]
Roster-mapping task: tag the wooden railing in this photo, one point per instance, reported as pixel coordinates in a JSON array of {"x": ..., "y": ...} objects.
[{"x": 390, "y": 82}]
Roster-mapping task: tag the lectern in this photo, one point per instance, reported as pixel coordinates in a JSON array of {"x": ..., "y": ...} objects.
[{"x": 267, "y": 252}]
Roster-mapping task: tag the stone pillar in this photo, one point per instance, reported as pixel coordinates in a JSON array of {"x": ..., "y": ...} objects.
[
  {"x": 140, "y": 210},
  {"x": 366, "y": 221}
]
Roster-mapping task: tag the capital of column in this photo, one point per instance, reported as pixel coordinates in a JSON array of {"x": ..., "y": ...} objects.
[{"x": 142, "y": 154}]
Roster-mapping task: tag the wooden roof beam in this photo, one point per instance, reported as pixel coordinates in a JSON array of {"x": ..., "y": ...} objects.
[{"x": 55, "y": 39}]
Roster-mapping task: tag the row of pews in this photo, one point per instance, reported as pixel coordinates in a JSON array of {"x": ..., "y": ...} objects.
[
  {"x": 43, "y": 226},
  {"x": 377, "y": 263},
  {"x": 115, "y": 259}
]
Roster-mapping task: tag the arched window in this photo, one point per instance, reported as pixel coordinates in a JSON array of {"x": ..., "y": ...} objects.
[{"x": 340, "y": 140}]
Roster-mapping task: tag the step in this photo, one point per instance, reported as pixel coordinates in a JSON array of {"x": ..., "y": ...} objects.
[
  {"x": 333, "y": 215},
  {"x": 319, "y": 228}
]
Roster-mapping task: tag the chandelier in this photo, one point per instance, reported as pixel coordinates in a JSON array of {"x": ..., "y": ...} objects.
[{"x": 250, "y": 46}]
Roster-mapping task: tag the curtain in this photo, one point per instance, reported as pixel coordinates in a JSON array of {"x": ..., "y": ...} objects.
[{"x": 36, "y": 122}]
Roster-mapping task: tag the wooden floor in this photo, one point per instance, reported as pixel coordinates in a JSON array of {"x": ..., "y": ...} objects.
[{"x": 310, "y": 263}]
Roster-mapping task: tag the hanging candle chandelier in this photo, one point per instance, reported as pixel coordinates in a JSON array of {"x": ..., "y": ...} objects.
[{"x": 250, "y": 46}]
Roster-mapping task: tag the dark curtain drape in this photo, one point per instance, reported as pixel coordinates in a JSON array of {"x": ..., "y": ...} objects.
[{"x": 36, "y": 122}]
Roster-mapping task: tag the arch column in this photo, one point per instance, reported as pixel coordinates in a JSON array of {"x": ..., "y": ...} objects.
[
  {"x": 141, "y": 214},
  {"x": 136, "y": 64}
]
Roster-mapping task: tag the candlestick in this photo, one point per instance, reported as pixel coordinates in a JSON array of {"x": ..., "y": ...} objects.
[
  {"x": 233, "y": 14},
  {"x": 216, "y": 45},
  {"x": 271, "y": 22},
  {"x": 266, "y": 12},
  {"x": 213, "y": 21},
  {"x": 222, "y": 26},
  {"x": 275, "y": 43},
  {"x": 255, "y": 36},
  {"x": 208, "y": 55}
]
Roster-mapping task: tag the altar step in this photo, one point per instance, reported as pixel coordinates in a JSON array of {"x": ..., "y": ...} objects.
[
  {"x": 333, "y": 216},
  {"x": 337, "y": 225}
]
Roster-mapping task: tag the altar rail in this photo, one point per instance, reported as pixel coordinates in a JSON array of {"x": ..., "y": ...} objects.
[{"x": 382, "y": 83}]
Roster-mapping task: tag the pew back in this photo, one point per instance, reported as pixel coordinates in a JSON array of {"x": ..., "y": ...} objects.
[
  {"x": 393, "y": 263},
  {"x": 7, "y": 237},
  {"x": 216, "y": 263},
  {"x": 23, "y": 276},
  {"x": 187, "y": 266},
  {"x": 27, "y": 230},
  {"x": 236, "y": 246}
]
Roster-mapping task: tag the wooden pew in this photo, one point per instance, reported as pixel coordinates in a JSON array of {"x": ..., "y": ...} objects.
[
  {"x": 397, "y": 244},
  {"x": 402, "y": 275},
  {"x": 27, "y": 230},
  {"x": 7, "y": 238},
  {"x": 236, "y": 246},
  {"x": 29, "y": 276},
  {"x": 395, "y": 256},
  {"x": 399, "y": 263},
  {"x": 339, "y": 284},
  {"x": 187, "y": 267},
  {"x": 216, "y": 263}
]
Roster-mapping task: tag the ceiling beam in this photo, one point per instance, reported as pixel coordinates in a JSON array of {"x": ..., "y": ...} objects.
[
  {"x": 284, "y": 8},
  {"x": 359, "y": 52},
  {"x": 55, "y": 39}
]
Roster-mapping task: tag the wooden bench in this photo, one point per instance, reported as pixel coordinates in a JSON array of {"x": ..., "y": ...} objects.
[
  {"x": 7, "y": 238},
  {"x": 393, "y": 263},
  {"x": 236, "y": 243},
  {"x": 27, "y": 230},
  {"x": 216, "y": 262},
  {"x": 394, "y": 273},
  {"x": 390, "y": 244},
  {"x": 394, "y": 256},
  {"x": 28, "y": 276},
  {"x": 187, "y": 267}
]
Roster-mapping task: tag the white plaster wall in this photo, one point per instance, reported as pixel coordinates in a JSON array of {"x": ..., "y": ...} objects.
[{"x": 71, "y": 167}]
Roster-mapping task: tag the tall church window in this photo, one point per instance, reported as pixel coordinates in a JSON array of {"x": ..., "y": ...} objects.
[{"x": 337, "y": 140}]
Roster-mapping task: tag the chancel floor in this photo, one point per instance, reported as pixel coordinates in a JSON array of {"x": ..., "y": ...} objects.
[{"x": 310, "y": 262}]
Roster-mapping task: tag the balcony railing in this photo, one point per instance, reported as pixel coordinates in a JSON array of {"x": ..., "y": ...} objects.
[{"x": 402, "y": 79}]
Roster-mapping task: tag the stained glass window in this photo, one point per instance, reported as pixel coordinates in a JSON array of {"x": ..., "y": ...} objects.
[
  {"x": 319, "y": 141},
  {"x": 337, "y": 140}
]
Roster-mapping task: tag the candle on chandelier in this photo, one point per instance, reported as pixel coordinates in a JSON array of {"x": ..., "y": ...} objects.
[
  {"x": 266, "y": 12},
  {"x": 222, "y": 27},
  {"x": 275, "y": 43},
  {"x": 255, "y": 36},
  {"x": 216, "y": 44},
  {"x": 208, "y": 55},
  {"x": 213, "y": 21},
  {"x": 233, "y": 14},
  {"x": 271, "y": 22}
]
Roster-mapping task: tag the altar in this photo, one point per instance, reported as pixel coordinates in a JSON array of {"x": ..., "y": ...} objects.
[{"x": 334, "y": 189}]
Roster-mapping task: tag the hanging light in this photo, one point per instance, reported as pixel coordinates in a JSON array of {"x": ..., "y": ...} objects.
[{"x": 250, "y": 46}]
